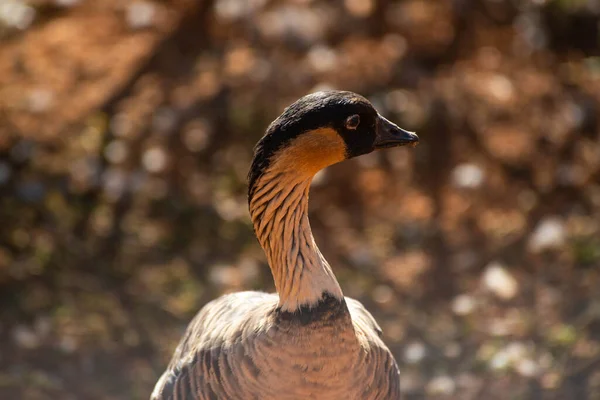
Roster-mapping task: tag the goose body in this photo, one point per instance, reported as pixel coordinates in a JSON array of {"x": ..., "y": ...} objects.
[
  {"x": 241, "y": 347},
  {"x": 307, "y": 341}
]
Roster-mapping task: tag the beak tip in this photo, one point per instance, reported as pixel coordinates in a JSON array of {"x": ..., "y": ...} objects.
[
  {"x": 414, "y": 139},
  {"x": 389, "y": 134},
  {"x": 410, "y": 138}
]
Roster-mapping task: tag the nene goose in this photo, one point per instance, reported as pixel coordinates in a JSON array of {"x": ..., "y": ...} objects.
[{"x": 307, "y": 341}]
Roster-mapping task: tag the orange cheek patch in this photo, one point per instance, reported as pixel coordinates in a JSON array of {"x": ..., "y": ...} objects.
[{"x": 311, "y": 152}]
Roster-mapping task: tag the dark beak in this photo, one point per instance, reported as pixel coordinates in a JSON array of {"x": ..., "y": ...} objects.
[{"x": 388, "y": 134}]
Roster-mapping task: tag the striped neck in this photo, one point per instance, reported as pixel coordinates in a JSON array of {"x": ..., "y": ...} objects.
[{"x": 279, "y": 211}]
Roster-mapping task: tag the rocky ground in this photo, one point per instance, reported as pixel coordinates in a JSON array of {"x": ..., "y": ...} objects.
[{"x": 126, "y": 131}]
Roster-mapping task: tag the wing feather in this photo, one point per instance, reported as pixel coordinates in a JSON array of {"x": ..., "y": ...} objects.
[{"x": 199, "y": 368}]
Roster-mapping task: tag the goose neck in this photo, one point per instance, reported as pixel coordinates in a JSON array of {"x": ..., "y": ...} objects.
[{"x": 279, "y": 211}]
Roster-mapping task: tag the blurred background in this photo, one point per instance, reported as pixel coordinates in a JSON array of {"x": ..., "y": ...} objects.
[{"x": 126, "y": 132}]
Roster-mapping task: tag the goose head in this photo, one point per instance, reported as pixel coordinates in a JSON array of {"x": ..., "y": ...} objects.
[{"x": 321, "y": 129}]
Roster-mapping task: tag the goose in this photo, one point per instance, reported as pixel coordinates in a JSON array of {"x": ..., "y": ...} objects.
[{"x": 307, "y": 341}]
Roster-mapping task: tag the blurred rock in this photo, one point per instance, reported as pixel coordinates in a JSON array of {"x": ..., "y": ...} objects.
[
  {"x": 196, "y": 135},
  {"x": 68, "y": 344},
  {"x": 463, "y": 304},
  {"x": 154, "y": 159},
  {"x": 414, "y": 352},
  {"x": 224, "y": 275},
  {"x": 322, "y": 58},
  {"x": 500, "y": 281},
  {"x": 441, "y": 385},
  {"x": 239, "y": 62},
  {"x": 140, "y": 14},
  {"x": 529, "y": 26},
  {"x": 25, "y": 337},
  {"x": 383, "y": 294},
  {"x": 299, "y": 25},
  {"x": 231, "y": 10},
  {"x": 500, "y": 88},
  {"x": 527, "y": 368},
  {"x": 548, "y": 234},
  {"x": 362, "y": 256},
  {"x": 469, "y": 176},
  {"x": 229, "y": 209},
  {"x": 40, "y": 100},
  {"x": 115, "y": 183},
  {"x": 16, "y": 14},
  {"x": 67, "y": 3},
  {"x": 500, "y": 361},
  {"x": 116, "y": 151},
  {"x": 515, "y": 355}
]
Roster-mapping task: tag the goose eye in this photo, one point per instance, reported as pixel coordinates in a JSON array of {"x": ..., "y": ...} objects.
[{"x": 352, "y": 121}]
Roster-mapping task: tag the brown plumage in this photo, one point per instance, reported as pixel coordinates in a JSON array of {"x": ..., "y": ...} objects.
[{"x": 307, "y": 341}]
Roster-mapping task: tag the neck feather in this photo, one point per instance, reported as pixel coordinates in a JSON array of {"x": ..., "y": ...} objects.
[{"x": 279, "y": 211}]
